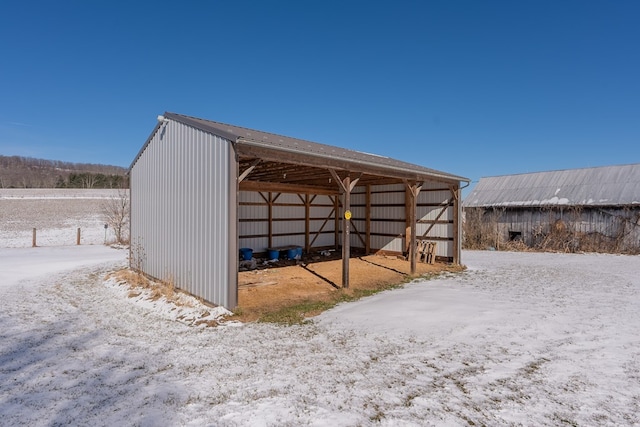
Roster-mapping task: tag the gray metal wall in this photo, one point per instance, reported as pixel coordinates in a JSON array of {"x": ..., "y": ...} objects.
[
  {"x": 288, "y": 213},
  {"x": 183, "y": 212}
]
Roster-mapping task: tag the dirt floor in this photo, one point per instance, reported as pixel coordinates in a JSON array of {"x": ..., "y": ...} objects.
[{"x": 285, "y": 283}]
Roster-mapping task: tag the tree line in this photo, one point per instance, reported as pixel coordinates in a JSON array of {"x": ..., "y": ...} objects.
[{"x": 28, "y": 172}]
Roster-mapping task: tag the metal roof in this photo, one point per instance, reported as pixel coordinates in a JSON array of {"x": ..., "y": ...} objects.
[
  {"x": 598, "y": 186},
  {"x": 254, "y": 144}
]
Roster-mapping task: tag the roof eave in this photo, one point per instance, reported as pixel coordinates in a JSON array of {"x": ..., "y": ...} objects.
[
  {"x": 274, "y": 153},
  {"x": 249, "y": 147}
]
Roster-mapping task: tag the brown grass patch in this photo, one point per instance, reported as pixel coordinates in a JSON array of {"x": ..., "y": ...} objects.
[{"x": 137, "y": 280}]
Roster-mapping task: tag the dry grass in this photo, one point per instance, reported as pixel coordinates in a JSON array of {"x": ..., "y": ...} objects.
[
  {"x": 487, "y": 228},
  {"x": 137, "y": 281}
]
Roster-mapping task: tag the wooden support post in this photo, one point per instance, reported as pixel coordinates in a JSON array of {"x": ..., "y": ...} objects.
[
  {"x": 408, "y": 220},
  {"x": 412, "y": 243},
  {"x": 33, "y": 239},
  {"x": 346, "y": 240},
  {"x": 78, "y": 237},
  {"x": 367, "y": 243},
  {"x": 414, "y": 191},
  {"x": 270, "y": 217},
  {"x": 307, "y": 218},
  {"x": 457, "y": 225},
  {"x": 346, "y": 186},
  {"x": 336, "y": 224}
]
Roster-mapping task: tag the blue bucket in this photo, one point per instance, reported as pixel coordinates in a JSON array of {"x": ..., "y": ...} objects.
[
  {"x": 273, "y": 255},
  {"x": 299, "y": 252},
  {"x": 291, "y": 253},
  {"x": 247, "y": 254}
]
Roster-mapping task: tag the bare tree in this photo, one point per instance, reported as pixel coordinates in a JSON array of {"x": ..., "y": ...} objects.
[{"x": 116, "y": 214}]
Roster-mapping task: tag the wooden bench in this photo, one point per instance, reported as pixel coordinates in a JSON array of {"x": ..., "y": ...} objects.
[{"x": 426, "y": 251}]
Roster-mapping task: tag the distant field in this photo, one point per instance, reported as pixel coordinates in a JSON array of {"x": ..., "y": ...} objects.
[{"x": 55, "y": 213}]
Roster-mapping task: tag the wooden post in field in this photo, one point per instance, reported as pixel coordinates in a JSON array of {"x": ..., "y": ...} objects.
[
  {"x": 78, "y": 237},
  {"x": 33, "y": 239}
]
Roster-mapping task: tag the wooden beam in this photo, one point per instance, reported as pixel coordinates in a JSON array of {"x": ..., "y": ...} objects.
[
  {"x": 285, "y": 188},
  {"x": 335, "y": 176},
  {"x": 353, "y": 183},
  {"x": 248, "y": 149},
  {"x": 248, "y": 170},
  {"x": 322, "y": 227},
  {"x": 346, "y": 185},
  {"x": 413, "y": 192}
]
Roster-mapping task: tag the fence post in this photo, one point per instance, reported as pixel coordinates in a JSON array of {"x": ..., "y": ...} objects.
[
  {"x": 78, "y": 237},
  {"x": 33, "y": 239}
]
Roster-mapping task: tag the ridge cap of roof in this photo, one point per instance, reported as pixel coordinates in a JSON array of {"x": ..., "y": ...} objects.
[{"x": 562, "y": 170}]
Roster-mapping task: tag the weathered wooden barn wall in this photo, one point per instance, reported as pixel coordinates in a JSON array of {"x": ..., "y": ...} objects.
[
  {"x": 590, "y": 209},
  {"x": 609, "y": 225},
  {"x": 183, "y": 202}
]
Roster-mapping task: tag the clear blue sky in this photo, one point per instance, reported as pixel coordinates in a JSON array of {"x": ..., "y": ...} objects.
[{"x": 474, "y": 88}]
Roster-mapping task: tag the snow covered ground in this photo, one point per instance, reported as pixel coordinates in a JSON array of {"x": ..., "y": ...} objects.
[
  {"x": 56, "y": 214},
  {"x": 517, "y": 339}
]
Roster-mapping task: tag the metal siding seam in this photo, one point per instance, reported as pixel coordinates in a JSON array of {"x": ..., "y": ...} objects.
[
  {"x": 173, "y": 168},
  {"x": 206, "y": 220},
  {"x": 218, "y": 292},
  {"x": 185, "y": 143},
  {"x": 194, "y": 215},
  {"x": 197, "y": 177}
]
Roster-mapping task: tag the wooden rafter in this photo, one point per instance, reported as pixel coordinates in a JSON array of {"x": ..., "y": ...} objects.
[{"x": 247, "y": 171}]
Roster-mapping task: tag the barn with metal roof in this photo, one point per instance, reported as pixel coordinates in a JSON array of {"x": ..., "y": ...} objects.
[
  {"x": 598, "y": 208},
  {"x": 202, "y": 190}
]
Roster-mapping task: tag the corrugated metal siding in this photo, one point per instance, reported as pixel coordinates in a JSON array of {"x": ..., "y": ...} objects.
[
  {"x": 253, "y": 215},
  {"x": 436, "y": 205},
  {"x": 182, "y": 224},
  {"x": 289, "y": 220},
  {"x": 388, "y": 217},
  {"x": 322, "y": 216},
  {"x": 602, "y": 186}
]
